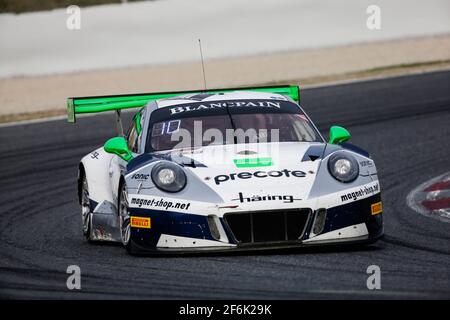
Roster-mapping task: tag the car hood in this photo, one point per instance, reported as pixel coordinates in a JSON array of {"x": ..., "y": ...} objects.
[{"x": 251, "y": 173}]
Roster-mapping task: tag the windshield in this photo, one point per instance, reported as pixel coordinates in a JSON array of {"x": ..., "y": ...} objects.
[{"x": 188, "y": 132}]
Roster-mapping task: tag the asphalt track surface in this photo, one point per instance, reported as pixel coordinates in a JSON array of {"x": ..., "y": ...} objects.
[{"x": 404, "y": 122}]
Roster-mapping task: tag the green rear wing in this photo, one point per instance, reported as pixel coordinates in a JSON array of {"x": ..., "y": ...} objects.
[{"x": 82, "y": 105}]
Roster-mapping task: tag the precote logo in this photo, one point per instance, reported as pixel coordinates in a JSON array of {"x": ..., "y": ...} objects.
[{"x": 259, "y": 174}]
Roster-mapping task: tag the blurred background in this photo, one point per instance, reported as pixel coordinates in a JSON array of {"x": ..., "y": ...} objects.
[
  {"x": 19, "y": 6},
  {"x": 52, "y": 51}
]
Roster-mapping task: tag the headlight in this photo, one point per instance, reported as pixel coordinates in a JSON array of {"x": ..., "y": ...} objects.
[
  {"x": 343, "y": 167},
  {"x": 168, "y": 176}
]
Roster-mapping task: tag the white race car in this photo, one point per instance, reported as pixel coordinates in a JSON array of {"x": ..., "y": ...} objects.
[{"x": 221, "y": 170}]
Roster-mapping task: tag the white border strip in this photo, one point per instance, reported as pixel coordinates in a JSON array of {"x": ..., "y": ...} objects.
[
  {"x": 54, "y": 118},
  {"x": 302, "y": 87},
  {"x": 370, "y": 78},
  {"x": 418, "y": 194},
  {"x": 32, "y": 121}
]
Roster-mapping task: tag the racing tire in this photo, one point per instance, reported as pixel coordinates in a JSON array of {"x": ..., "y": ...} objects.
[
  {"x": 86, "y": 215},
  {"x": 124, "y": 220}
]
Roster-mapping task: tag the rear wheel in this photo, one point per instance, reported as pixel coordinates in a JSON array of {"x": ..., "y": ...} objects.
[
  {"x": 86, "y": 210},
  {"x": 124, "y": 220}
]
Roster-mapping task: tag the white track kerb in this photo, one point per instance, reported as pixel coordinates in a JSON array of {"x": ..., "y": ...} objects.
[{"x": 432, "y": 198}]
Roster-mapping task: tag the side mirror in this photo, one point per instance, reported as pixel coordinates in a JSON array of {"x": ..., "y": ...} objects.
[
  {"x": 118, "y": 145},
  {"x": 338, "y": 135}
]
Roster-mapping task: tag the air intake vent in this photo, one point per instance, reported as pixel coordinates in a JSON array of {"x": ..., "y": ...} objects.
[{"x": 268, "y": 226}]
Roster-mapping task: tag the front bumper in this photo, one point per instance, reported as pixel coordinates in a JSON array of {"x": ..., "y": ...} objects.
[
  {"x": 258, "y": 247},
  {"x": 173, "y": 232}
]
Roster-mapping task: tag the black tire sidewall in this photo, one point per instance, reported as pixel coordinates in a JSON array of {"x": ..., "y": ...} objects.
[
  {"x": 87, "y": 233},
  {"x": 130, "y": 246}
]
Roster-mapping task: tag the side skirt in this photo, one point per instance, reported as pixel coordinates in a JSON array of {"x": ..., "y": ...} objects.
[{"x": 104, "y": 223}]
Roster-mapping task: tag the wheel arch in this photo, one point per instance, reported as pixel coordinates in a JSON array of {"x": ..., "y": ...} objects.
[
  {"x": 121, "y": 182},
  {"x": 95, "y": 167},
  {"x": 81, "y": 174}
]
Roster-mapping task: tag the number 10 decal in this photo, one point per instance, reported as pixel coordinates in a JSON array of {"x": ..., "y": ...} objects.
[
  {"x": 173, "y": 126},
  {"x": 168, "y": 127}
]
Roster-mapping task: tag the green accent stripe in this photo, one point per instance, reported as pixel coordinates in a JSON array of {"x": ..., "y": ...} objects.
[
  {"x": 70, "y": 111},
  {"x": 253, "y": 162},
  {"x": 138, "y": 123},
  {"x": 108, "y": 103}
]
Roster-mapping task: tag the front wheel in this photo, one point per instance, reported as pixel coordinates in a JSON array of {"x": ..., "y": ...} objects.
[
  {"x": 86, "y": 215},
  {"x": 124, "y": 220}
]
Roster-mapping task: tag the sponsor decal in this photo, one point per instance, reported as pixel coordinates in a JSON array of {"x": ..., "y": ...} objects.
[
  {"x": 366, "y": 163},
  {"x": 376, "y": 208},
  {"x": 163, "y": 204},
  {"x": 253, "y": 162},
  {"x": 94, "y": 155},
  {"x": 140, "y": 222},
  {"x": 363, "y": 192},
  {"x": 284, "y": 198},
  {"x": 247, "y": 152},
  {"x": 140, "y": 176},
  {"x": 259, "y": 174},
  {"x": 169, "y": 127},
  {"x": 225, "y": 104}
]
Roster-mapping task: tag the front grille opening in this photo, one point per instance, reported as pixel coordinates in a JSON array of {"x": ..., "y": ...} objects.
[
  {"x": 240, "y": 225},
  {"x": 268, "y": 226}
]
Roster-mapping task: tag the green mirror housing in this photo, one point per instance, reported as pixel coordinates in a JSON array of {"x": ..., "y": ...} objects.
[
  {"x": 118, "y": 145},
  {"x": 338, "y": 135}
]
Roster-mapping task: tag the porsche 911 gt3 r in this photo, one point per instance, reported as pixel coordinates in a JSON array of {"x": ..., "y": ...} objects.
[{"x": 222, "y": 170}]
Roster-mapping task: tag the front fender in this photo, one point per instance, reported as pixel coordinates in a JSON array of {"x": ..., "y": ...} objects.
[{"x": 96, "y": 167}]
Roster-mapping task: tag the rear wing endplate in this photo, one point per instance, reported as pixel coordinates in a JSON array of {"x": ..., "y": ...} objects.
[{"x": 82, "y": 105}]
